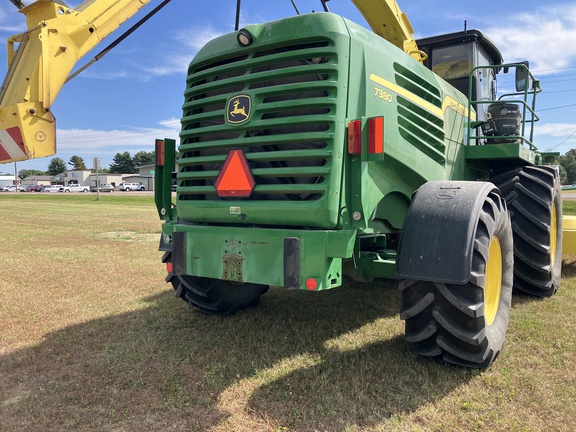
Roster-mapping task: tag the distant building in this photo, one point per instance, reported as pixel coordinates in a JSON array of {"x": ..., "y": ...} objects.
[
  {"x": 7, "y": 180},
  {"x": 34, "y": 180},
  {"x": 106, "y": 178}
]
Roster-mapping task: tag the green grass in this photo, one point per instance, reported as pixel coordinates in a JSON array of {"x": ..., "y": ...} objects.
[{"x": 92, "y": 339}]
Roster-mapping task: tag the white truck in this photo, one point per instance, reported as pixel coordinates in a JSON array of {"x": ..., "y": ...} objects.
[{"x": 74, "y": 188}]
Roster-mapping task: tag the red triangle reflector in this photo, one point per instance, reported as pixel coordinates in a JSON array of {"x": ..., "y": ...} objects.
[{"x": 235, "y": 178}]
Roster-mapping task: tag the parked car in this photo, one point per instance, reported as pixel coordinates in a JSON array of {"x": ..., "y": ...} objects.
[
  {"x": 131, "y": 187},
  {"x": 74, "y": 188},
  {"x": 52, "y": 188},
  {"x": 41, "y": 189},
  {"x": 103, "y": 188},
  {"x": 12, "y": 188},
  {"x": 35, "y": 188}
]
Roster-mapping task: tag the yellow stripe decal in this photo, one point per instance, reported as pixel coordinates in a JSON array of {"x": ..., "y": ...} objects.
[
  {"x": 408, "y": 95},
  {"x": 449, "y": 102}
]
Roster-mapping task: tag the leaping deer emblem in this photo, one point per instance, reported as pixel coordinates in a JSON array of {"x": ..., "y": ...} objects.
[{"x": 239, "y": 109}]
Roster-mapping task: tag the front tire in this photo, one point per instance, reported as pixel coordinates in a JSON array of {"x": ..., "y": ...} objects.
[
  {"x": 466, "y": 324},
  {"x": 533, "y": 195}
]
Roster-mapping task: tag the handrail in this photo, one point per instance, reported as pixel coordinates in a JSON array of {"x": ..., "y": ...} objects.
[{"x": 528, "y": 103}]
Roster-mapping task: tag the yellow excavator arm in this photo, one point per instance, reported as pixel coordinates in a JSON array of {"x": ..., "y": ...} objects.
[{"x": 55, "y": 39}]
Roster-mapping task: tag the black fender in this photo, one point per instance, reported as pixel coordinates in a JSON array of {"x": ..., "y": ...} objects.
[{"x": 436, "y": 243}]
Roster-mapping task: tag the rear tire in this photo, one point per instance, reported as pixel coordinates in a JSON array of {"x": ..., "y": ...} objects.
[
  {"x": 215, "y": 296},
  {"x": 533, "y": 195},
  {"x": 466, "y": 324}
]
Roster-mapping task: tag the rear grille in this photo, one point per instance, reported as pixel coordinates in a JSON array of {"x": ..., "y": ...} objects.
[
  {"x": 288, "y": 140},
  {"x": 419, "y": 127}
]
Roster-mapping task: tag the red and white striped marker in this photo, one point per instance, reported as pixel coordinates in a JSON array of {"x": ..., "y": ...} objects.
[{"x": 11, "y": 144}]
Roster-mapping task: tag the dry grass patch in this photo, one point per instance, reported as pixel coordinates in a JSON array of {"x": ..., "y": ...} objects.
[{"x": 93, "y": 340}]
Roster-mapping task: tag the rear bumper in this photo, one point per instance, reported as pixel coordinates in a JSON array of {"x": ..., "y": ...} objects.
[{"x": 275, "y": 257}]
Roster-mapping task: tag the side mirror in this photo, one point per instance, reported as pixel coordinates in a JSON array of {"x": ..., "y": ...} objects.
[{"x": 523, "y": 78}]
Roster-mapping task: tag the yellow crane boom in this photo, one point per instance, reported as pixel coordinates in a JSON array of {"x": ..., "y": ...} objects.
[
  {"x": 55, "y": 39},
  {"x": 387, "y": 20}
]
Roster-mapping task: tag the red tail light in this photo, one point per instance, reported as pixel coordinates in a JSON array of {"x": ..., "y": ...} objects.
[
  {"x": 355, "y": 137},
  {"x": 376, "y": 135}
]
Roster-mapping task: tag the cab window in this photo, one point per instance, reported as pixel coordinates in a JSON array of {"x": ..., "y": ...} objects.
[
  {"x": 452, "y": 62},
  {"x": 486, "y": 77}
]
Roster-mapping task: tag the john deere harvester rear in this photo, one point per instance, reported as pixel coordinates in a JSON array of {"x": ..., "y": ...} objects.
[{"x": 312, "y": 148}]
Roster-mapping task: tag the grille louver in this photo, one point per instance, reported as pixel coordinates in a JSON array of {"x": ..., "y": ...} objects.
[
  {"x": 422, "y": 129},
  {"x": 288, "y": 140}
]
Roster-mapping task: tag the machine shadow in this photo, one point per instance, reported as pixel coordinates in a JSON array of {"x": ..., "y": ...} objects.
[
  {"x": 165, "y": 367},
  {"x": 357, "y": 389}
]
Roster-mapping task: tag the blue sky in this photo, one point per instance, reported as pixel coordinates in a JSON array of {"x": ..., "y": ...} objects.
[{"x": 135, "y": 93}]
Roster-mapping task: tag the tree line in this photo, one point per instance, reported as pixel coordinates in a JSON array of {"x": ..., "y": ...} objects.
[{"x": 122, "y": 163}]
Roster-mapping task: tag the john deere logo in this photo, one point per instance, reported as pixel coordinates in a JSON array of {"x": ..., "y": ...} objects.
[{"x": 238, "y": 109}]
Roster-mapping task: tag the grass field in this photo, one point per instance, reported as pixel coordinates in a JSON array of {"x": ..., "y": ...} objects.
[{"x": 92, "y": 340}]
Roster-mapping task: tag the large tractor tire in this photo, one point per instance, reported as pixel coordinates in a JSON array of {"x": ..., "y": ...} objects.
[
  {"x": 214, "y": 296},
  {"x": 465, "y": 324},
  {"x": 533, "y": 195}
]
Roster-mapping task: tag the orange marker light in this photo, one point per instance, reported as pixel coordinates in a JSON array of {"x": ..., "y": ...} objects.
[
  {"x": 355, "y": 137},
  {"x": 235, "y": 178},
  {"x": 159, "y": 153}
]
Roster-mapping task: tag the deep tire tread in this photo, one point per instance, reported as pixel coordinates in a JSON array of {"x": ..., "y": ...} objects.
[
  {"x": 530, "y": 194},
  {"x": 447, "y": 322}
]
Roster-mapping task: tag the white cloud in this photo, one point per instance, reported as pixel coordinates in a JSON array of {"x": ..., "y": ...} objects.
[
  {"x": 10, "y": 20},
  {"x": 544, "y": 36},
  {"x": 196, "y": 37},
  {"x": 105, "y": 75},
  {"x": 556, "y": 129},
  {"x": 189, "y": 43},
  {"x": 109, "y": 142}
]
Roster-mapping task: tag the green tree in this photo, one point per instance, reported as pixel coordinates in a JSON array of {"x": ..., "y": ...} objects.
[
  {"x": 563, "y": 175},
  {"x": 143, "y": 158},
  {"x": 568, "y": 163},
  {"x": 77, "y": 163},
  {"x": 30, "y": 172},
  {"x": 56, "y": 166},
  {"x": 122, "y": 163}
]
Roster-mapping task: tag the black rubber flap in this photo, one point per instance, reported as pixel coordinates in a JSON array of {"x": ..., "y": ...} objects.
[{"x": 439, "y": 230}]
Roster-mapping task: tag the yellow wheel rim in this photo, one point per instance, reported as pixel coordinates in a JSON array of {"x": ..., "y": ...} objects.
[
  {"x": 553, "y": 235},
  {"x": 493, "y": 285}
]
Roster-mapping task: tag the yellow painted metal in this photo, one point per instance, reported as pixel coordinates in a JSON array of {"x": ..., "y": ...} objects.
[
  {"x": 568, "y": 235},
  {"x": 553, "y": 235},
  {"x": 493, "y": 285},
  {"x": 387, "y": 20},
  {"x": 56, "y": 38}
]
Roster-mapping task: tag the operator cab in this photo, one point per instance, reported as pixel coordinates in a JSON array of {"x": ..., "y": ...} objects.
[{"x": 453, "y": 56}]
